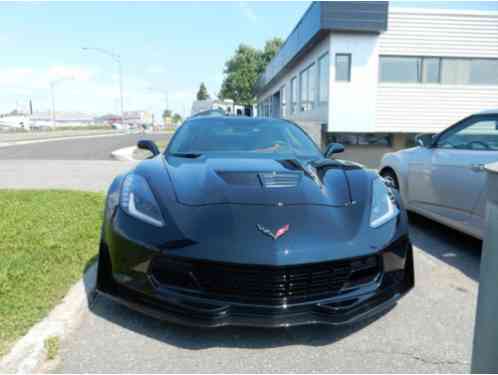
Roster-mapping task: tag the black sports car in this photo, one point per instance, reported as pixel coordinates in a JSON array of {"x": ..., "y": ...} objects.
[{"x": 245, "y": 222}]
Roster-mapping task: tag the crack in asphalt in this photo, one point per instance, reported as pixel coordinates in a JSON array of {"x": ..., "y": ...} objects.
[{"x": 417, "y": 357}]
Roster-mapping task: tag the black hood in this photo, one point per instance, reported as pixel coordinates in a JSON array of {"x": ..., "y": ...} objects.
[
  {"x": 209, "y": 216},
  {"x": 261, "y": 181}
]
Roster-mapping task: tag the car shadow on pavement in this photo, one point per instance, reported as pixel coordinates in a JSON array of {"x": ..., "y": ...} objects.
[
  {"x": 456, "y": 249},
  {"x": 194, "y": 338}
]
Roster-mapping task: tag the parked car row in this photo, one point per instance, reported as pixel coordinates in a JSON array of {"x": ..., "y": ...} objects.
[{"x": 444, "y": 178}]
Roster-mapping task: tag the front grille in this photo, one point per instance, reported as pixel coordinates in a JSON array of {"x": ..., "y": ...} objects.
[{"x": 265, "y": 284}]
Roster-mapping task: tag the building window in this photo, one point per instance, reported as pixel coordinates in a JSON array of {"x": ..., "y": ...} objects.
[
  {"x": 307, "y": 88},
  {"x": 378, "y": 139},
  {"x": 469, "y": 71},
  {"x": 400, "y": 69},
  {"x": 293, "y": 95},
  {"x": 431, "y": 70},
  {"x": 323, "y": 79},
  {"x": 484, "y": 71},
  {"x": 445, "y": 70},
  {"x": 343, "y": 67},
  {"x": 283, "y": 101}
]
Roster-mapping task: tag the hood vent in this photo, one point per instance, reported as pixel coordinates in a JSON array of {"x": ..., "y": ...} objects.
[
  {"x": 239, "y": 178},
  {"x": 265, "y": 179},
  {"x": 280, "y": 179}
]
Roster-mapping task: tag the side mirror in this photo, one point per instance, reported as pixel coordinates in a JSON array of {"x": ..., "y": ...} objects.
[
  {"x": 333, "y": 148},
  {"x": 424, "y": 140},
  {"x": 146, "y": 144}
]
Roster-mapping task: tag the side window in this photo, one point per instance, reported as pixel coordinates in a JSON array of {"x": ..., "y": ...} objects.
[
  {"x": 475, "y": 134},
  {"x": 343, "y": 67}
]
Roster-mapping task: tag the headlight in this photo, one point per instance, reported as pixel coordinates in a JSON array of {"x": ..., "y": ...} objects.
[
  {"x": 138, "y": 201},
  {"x": 383, "y": 207}
]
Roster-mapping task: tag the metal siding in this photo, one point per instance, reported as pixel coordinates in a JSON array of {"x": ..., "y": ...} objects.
[
  {"x": 464, "y": 35},
  {"x": 431, "y": 108},
  {"x": 414, "y": 108}
]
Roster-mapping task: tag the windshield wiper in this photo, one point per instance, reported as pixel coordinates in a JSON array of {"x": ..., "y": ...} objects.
[{"x": 188, "y": 155}]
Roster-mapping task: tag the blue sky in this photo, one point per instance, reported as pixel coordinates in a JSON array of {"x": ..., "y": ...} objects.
[{"x": 170, "y": 46}]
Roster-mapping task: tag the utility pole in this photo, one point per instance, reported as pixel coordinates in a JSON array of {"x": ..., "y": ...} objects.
[
  {"x": 52, "y": 94},
  {"x": 117, "y": 59}
]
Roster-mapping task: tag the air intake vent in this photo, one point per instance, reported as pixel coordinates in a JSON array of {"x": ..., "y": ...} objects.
[
  {"x": 280, "y": 179},
  {"x": 240, "y": 178}
]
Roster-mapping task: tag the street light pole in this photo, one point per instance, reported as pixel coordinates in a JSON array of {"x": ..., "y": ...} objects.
[
  {"x": 52, "y": 94},
  {"x": 117, "y": 59},
  {"x": 52, "y": 84}
]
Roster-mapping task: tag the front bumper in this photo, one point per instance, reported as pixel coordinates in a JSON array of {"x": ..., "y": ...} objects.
[{"x": 136, "y": 290}]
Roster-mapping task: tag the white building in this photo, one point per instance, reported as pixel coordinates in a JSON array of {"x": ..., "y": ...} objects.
[{"x": 362, "y": 72}]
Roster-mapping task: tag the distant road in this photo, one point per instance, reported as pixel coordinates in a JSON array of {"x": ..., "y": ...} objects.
[{"x": 92, "y": 148}]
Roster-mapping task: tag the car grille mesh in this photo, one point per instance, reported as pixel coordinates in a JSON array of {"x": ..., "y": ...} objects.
[{"x": 265, "y": 284}]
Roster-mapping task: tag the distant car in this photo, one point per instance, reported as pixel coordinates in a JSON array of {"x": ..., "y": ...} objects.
[
  {"x": 244, "y": 221},
  {"x": 444, "y": 178},
  {"x": 117, "y": 126}
]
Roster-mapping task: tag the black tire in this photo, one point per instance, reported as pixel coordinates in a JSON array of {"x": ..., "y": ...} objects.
[{"x": 391, "y": 177}]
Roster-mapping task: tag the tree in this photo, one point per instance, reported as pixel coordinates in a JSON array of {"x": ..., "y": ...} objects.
[
  {"x": 202, "y": 94},
  {"x": 269, "y": 51},
  {"x": 243, "y": 69},
  {"x": 241, "y": 73},
  {"x": 167, "y": 113},
  {"x": 177, "y": 118}
]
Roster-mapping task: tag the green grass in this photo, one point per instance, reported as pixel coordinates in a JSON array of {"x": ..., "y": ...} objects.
[
  {"x": 47, "y": 239},
  {"x": 52, "y": 345},
  {"x": 162, "y": 145}
]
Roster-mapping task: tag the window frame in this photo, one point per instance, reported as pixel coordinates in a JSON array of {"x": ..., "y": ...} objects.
[{"x": 350, "y": 62}]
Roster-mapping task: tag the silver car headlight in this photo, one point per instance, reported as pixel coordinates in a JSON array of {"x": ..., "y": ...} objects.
[
  {"x": 137, "y": 200},
  {"x": 383, "y": 208}
]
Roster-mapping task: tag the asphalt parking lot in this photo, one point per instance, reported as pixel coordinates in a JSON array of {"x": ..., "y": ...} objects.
[{"x": 430, "y": 330}]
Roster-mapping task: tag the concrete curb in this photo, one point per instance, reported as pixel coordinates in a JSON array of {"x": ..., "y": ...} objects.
[
  {"x": 29, "y": 353},
  {"x": 124, "y": 154}
]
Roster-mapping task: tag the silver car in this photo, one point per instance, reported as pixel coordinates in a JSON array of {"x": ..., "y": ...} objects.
[{"x": 443, "y": 178}]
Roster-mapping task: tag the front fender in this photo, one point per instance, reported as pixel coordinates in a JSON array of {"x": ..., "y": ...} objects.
[{"x": 396, "y": 162}]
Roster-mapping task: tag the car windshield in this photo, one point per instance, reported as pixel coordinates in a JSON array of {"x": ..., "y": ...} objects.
[{"x": 249, "y": 136}]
